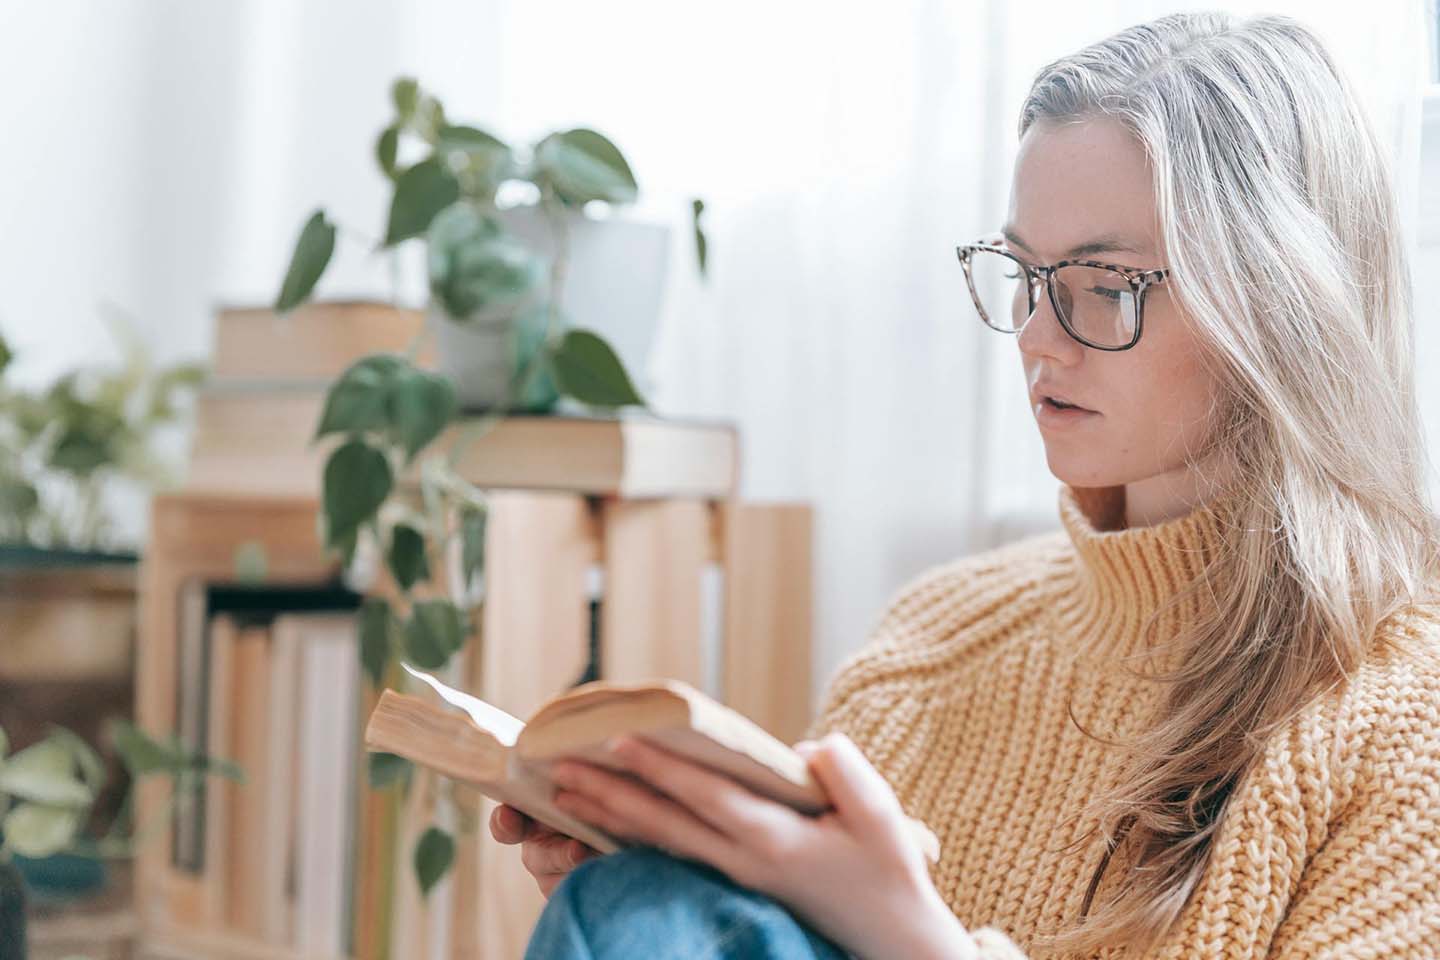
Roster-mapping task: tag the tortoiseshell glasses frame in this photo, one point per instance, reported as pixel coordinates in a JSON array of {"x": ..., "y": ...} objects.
[{"x": 1140, "y": 281}]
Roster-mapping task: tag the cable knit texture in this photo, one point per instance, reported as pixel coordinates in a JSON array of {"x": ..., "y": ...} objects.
[{"x": 1330, "y": 847}]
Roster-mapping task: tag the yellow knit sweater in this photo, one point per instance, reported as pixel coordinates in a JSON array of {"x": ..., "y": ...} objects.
[{"x": 959, "y": 699}]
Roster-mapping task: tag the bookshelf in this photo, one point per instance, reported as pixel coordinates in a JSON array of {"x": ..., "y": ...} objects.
[{"x": 546, "y": 551}]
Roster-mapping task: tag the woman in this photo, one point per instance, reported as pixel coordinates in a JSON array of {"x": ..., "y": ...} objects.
[{"x": 1201, "y": 720}]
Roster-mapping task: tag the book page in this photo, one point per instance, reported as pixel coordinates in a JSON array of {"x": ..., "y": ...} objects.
[{"x": 502, "y": 726}]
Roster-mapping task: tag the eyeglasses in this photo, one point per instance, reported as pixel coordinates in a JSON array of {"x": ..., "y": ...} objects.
[{"x": 1101, "y": 305}]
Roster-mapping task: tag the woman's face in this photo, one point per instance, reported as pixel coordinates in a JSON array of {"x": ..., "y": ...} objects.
[{"x": 1084, "y": 189}]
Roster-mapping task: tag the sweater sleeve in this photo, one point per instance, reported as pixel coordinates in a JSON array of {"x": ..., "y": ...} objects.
[
  {"x": 1372, "y": 889},
  {"x": 849, "y": 707}
]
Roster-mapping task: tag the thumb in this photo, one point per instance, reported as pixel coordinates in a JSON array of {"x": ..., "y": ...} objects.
[{"x": 860, "y": 794}]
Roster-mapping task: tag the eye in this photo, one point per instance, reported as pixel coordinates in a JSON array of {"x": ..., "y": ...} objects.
[{"x": 1108, "y": 293}]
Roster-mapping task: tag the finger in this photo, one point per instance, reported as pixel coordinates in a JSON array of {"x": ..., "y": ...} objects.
[
  {"x": 858, "y": 791},
  {"x": 731, "y": 808},
  {"x": 508, "y": 825},
  {"x": 555, "y": 853},
  {"x": 632, "y": 811}
]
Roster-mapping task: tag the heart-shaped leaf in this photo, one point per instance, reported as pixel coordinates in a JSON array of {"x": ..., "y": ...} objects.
[
  {"x": 92, "y": 768},
  {"x": 387, "y": 768},
  {"x": 434, "y": 853},
  {"x": 421, "y": 192},
  {"x": 387, "y": 147},
  {"x": 35, "y": 830},
  {"x": 379, "y": 633},
  {"x": 141, "y": 753},
  {"x": 356, "y": 482},
  {"x": 312, "y": 254},
  {"x": 583, "y": 165},
  {"x": 472, "y": 542},
  {"x": 359, "y": 400},
  {"x": 433, "y": 633},
  {"x": 407, "y": 556},
  {"x": 405, "y": 94},
  {"x": 587, "y": 369},
  {"x": 421, "y": 404},
  {"x": 45, "y": 773}
]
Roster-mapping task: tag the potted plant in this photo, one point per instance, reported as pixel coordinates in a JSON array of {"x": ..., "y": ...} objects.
[
  {"x": 47, "y": 792},
  {"x": 62, "y": 447},
  {"x": 496, "y": 300}
]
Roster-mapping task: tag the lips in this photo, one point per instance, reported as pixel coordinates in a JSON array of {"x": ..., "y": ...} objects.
[{"x": 1057, "y": 399}]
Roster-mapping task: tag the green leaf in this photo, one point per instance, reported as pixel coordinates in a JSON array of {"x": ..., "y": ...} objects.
[
  {"x": 405, "y": 94},
  {"x": 92, "y": 768},
  {"x": 407, "y": 556},
  {"x": 357, "y": 480},
  {"x": 141, "y": 753},
  {"x": 378, "y": 633},
  {"x": 480, "y": 161},
  {"x": 46, "y": 774},
  {"x": 470, "y": 140},
  {"x": 218, "y": 767},
  {"x": 81, "y": 452},
  {"x": 434, "y": 853},
  {"x": 472, "y": 542},
  {"x": 434, "y": 632},
  {"x": 307, "y": 263},
  {"x": 6, "y": 354},
  {"x": 387, "y": 146},
  {"x": 18, "y": 498},
  {"x": 587, "y": 369},
  {"x": 421, "y": 192},
  {"x": 697, "y": 207},
  {"x": 34, "y": 830},
  {"x": 474, "y": 264},
  {"x": 527, "y": 343},
  {"x": 387, "y": 768},
  {"x": 583, "y": 165},
  {"x": 421, "y": 404},
  {"x": 359, "y": 400}
]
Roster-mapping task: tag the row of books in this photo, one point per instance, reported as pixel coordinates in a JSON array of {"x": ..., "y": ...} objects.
[
  {"x": 274, "y": 687},
  {"x": 256, "y": 418},
  {"x": 303, "y": 855}
]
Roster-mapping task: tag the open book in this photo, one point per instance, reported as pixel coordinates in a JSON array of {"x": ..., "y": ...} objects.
[{"x": 507, "y": 759}]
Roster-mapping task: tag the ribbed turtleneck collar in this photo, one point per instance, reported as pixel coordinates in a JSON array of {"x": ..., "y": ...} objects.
[{"x": 1125, "y": 574}]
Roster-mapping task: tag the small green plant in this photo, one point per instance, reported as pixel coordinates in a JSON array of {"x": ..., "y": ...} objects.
[
  {"x": 62, "y": 446},
  {"x": 47, "y": 791},
  {"x": 384, "y": 412}
]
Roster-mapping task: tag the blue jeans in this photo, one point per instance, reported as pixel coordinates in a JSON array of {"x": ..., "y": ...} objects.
[{"x": 644, "y": 903}]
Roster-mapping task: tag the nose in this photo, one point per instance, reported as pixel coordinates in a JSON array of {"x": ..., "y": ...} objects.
[{"x": 1042, "y": 335}]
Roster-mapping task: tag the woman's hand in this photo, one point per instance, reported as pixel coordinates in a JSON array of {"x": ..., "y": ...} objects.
[
  {"x": 548, "y": 855},
  {"x": 853, "y": 873}
]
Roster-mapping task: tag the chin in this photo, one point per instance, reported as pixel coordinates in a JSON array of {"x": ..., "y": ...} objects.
[{"x": 1082, "y": 468}]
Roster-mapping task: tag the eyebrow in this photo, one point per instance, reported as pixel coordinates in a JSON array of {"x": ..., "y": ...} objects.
[{"x": 1107, "y": 243}]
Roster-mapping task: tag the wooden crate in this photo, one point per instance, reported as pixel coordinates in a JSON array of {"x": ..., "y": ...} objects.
[{"x": 542, "y": 548}]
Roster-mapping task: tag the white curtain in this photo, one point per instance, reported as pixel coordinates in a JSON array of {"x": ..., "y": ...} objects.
[{"x": 161, "y": 157}]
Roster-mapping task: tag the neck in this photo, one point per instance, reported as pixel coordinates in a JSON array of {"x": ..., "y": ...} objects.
[{"x": 1173, "y": 494}]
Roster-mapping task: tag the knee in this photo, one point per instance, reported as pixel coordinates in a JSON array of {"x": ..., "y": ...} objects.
[{"x": 638, "y": 878}]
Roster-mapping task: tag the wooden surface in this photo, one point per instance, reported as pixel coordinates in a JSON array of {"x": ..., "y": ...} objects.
[
  {"x": 541, "y": 549},
  {"x": 197, "y": 536}
]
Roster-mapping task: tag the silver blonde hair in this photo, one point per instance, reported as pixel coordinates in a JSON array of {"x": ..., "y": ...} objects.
[{"x": 1279, "y": 222}]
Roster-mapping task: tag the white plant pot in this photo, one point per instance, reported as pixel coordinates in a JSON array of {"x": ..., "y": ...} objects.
[{"x": 613, "y": 284}]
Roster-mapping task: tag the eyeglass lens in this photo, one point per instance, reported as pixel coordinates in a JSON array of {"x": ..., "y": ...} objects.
[{"x": 1097, "y": 304}]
